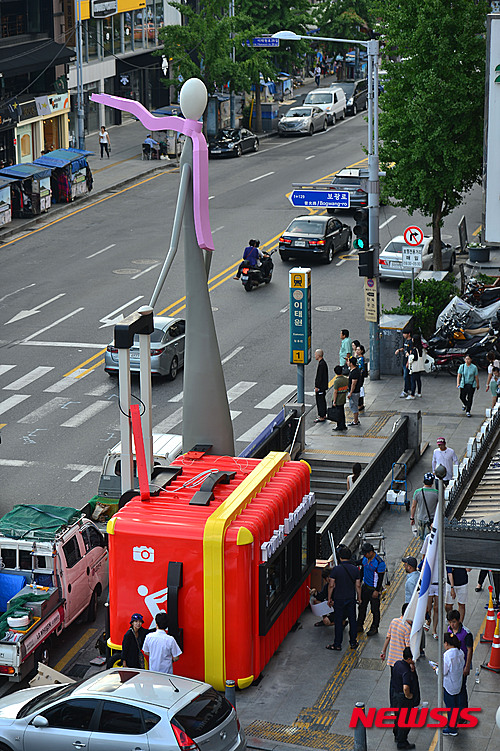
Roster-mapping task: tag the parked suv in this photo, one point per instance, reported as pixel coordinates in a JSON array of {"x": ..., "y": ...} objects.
[
  {"x": 356, "y": 94},
  {"x": 348, "y": 179}
]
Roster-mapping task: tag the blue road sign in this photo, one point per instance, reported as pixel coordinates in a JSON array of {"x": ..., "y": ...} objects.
[
  {"x": 265, "y": 42},
  {"x": 334, "y": 199}
]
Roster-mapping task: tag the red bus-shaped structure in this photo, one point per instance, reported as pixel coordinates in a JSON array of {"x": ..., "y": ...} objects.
[{"x": 226, "y": 549}]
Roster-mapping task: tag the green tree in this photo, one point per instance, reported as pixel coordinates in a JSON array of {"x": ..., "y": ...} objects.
[{"x": 431, "y": 119}]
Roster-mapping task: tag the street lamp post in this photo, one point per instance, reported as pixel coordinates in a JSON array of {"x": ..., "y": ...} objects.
[
  {"x": 79, "y": 75},
  {"x": 372, "y": 47}
]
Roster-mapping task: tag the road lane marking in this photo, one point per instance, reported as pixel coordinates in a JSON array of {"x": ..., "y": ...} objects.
[
  {"x": 68, "y": 345},
  {"x": 108, "y": 247},
  {"x": 310, "y": 157},
  {"x": 44, "y": 410},
  {"x": 51, "y": 325},
  {"x": 341, "y": 262},
  {"x": 478, "y": 230},
  {"x": 92, "y": 367},
  {"x": 88, "y": 635},
  {"x": 254, "y": 180},
  {"x": 110, "y": 319},
  {"x": 178, "y": 397},
  {"x": 276, "y": 397},
  {"x": 103, "y": 388},
  {"x": 144, "y": 271},
  {"x": 387, "y": 221},
  {"x": 217, "y": 230},
  {"x": 65, "y": 382},
  {"x": 6, "y": 368},
  {"x": 210, "y": 197},
  {"x": 239, "y": 389},
  {"x": 12, "y": 401},
  {"x": 33, "y": 311},
  {"x": 231, "y": 355},
  {"x": 234, "y": 414},
  {"x": 85, "y": 414},
  {"x": 21, "y": 289},
  {"x": 166, "y": 425},
  {"x": 79, "y": 367},
  {"x": 17, "y": 463},
  {"x": 256, "y": 429},
  {"x": 25, "y": 380},
  {"x": 82, "y": 469}
]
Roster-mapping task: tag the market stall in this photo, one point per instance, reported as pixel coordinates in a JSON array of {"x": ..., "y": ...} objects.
[
  {"x": 5, "y": 200},
  {"x": 30, "y": 193},
  {"x": 71, "y": 175}
]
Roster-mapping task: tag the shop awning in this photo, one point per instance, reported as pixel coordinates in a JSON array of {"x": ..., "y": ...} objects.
[
  {"x": 5, "y": 182},
  {"x": 33, "y": 56},
  {"x": 62, "y": 157},
  {"x": 23, "y": 171}
]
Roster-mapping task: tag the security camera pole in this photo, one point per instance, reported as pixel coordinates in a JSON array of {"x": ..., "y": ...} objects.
[{"x": 372, "y": 47}]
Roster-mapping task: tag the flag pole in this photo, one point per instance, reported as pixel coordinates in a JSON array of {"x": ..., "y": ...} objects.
[{"x": 440, "y": 473}]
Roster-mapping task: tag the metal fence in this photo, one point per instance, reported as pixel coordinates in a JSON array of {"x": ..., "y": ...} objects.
[
  {"x": 355, "y": 500},
  {"x": 277, "y": 436}
]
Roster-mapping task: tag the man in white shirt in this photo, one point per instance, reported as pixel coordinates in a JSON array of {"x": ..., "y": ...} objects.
[
  {"x": 453, "y": 669},
  {"x": 161, "y": 648},
  {"x": 446, "y": 457}
]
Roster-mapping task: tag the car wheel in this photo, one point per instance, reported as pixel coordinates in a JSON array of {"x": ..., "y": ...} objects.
[
  {"x": 42, "y": 655},
  {"x": 325, "y": 125},
  {"x": 91, "y": 614},
  {"x": 310, "y": 131},
  {"x": 354, "y": 110},
  {"x": 347, "y": 245},
  {"x": 238, "y": 151},
  {"x": 248, "y": 286},
  {"x": 452, "y": 262},
  {"x": 328, "y": 257},
  {"x": 283, "y": 257},
  {"x": 174, "y": 369},
  {"x": 334, "y": 118},
  {"x": 256, "y": 145},
  {"x": 343, "y": 114},
  {"x": 281, "y": 135}
]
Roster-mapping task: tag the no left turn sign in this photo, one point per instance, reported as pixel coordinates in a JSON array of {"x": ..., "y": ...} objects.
[{"x": 413, "y": 236}]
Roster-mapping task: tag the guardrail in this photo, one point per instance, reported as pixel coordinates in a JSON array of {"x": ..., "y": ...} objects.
[
  {"x": 355, "y": 500},
  {"x": 280, "y": 435}
]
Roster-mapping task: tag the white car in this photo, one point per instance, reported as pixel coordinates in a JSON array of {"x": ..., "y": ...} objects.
[
  {"x": 390, "y": 262},
  {"x": 332, "y": 101}
]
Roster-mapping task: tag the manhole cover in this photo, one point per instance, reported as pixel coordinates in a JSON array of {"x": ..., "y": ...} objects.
[
  {"x": 328, "y": 308},
  {"x": 146, "y": 261},
  {"x": 125, "y": 271}
]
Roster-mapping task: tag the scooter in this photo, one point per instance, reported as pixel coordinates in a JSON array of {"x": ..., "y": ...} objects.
[
  {"x": 451, "y": 358},
  {"x": 251, "y": 276}
]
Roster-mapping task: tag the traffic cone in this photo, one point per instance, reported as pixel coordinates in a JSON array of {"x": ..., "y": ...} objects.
[
  {"x": 490, "y": 620},
  {"x": 494, "y": 663}
]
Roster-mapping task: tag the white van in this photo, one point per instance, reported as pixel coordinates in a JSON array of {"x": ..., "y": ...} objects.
[{"x": 332, "y": 101}]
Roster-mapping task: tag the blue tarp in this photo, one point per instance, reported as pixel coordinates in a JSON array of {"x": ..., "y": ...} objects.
[
  {"x": 23, "y": 171},
  {"x": 6, "y": 181},
  {"x": 10, "y": 585},
  {"x": 62, "y": 157}
]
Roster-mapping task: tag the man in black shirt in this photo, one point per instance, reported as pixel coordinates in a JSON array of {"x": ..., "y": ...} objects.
[
  {"x": 133, "y": 640},
  {"x": 343, "y": 591},
  {"x": 321, "y": 385},
  {"x": 405, "y": 693},
  {"x": 354, "y": 389}
]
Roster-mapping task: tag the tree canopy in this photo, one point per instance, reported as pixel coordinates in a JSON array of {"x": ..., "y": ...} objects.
[{"x": 431, "y": 119}]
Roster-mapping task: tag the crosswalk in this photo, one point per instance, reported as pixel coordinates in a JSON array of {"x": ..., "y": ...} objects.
[{"x": 74, "y": 413}]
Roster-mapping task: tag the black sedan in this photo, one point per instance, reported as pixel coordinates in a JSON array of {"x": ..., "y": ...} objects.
[
  {"x": 312, "y": 236},
  {"x": 233, "y": 142}
]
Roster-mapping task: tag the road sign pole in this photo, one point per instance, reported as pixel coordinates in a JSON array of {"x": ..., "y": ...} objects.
[
  {"x": 373, "y": 195},
  {"x": 412, "y": 284},
  {"x": 300, "y": 384}
]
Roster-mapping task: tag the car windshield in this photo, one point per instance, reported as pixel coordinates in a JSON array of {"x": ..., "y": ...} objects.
[
  {"x": 43, "y": 700},
  {"x": 299, "y": 112},
  {"x": 346, "y": 181},
  {"x": 348, "y": 88},
  {"x": 316, "y": 98},
  {"x": 227, "y": 133},
  {"x": 156, "y": 336},
  {"x": 303, "y": 227}
]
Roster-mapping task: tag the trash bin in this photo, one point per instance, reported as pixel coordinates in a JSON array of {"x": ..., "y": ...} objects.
[{"x": 391, "y": 339}]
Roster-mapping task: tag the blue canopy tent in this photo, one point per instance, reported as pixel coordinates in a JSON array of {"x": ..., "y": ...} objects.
[
  {"x": 71, "y": 175},
  {"x": 6, "y": 199},
  {"x": 31, "y": 194}
]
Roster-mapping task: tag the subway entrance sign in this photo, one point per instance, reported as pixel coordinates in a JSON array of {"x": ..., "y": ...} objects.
[
  {"x": 300, "y": 316},
  {"x": 320, "y": 199}
]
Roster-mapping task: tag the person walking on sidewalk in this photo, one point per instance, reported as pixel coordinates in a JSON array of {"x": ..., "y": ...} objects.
[
  {"x": 104, "y": 142},
  {"x": 345, "y": 351},
  {"x": 405, "y": 351},
  {"x": 467, "y": 381},
  {"x": 416, "y": 367},
  {"x": 373, "y": 575},
  {"x": 494, "y": 385},
  {"x": 446, "y": 457},
  {"x": 456, "y": 589},
  {"x": 423, "y": 506},
  {"x": 354, "y": 389},
  {"x": 340, "y": 389},
  {"x": 398, "y": 637},
  {"x": 453, "y": 669},
  {"x": 466, "y": 645},
  {"x": 343, "y": 592},
  {"x": 321, "y": 385},
  {"x": 405, "y": 693},
  {"x": 317, "y": 75}
]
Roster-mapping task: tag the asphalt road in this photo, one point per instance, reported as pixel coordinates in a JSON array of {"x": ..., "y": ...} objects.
[{"x": 65, "y": 284}]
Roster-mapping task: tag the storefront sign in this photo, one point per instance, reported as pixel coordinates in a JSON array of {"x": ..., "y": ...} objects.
[
  {"x": 54, "y": 103},
  {"x": 28, "y": 110},
  {"x": 104, "y": 8},
  {"x": 9, "y": 114}
]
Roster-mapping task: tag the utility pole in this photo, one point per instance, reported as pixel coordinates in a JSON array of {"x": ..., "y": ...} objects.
[
  {"x": 232, "y": 103},
  {"x": 79, "y": 76}
]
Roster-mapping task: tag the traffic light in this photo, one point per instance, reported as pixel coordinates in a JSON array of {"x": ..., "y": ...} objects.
[
  {"x": 365, "y": 263},
  {"x": 361, "y": 230}
]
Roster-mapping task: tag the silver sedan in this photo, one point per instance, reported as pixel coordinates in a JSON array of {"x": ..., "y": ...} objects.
[
  {"x": 119, "y": 710},
  {"x": 167, "y": 349},
  {"x": 302, "y": 120},
  {"x": 391, "y": 258}
]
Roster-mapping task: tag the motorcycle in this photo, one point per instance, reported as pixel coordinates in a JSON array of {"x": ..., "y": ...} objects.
[
  {"x": 450, "y": 358},
  {"x": 252, "y": 276},
  {"x": 480, "y": 296}
]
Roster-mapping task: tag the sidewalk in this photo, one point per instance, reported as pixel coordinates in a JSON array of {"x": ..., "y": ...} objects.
[{"x": 306, "y": 695}]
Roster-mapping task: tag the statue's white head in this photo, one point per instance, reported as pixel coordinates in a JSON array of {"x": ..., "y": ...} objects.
[{"x": 193, "y": 98}]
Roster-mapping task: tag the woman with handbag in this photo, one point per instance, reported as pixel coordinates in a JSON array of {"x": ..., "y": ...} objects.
[{"x": 416, "y": 367}]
